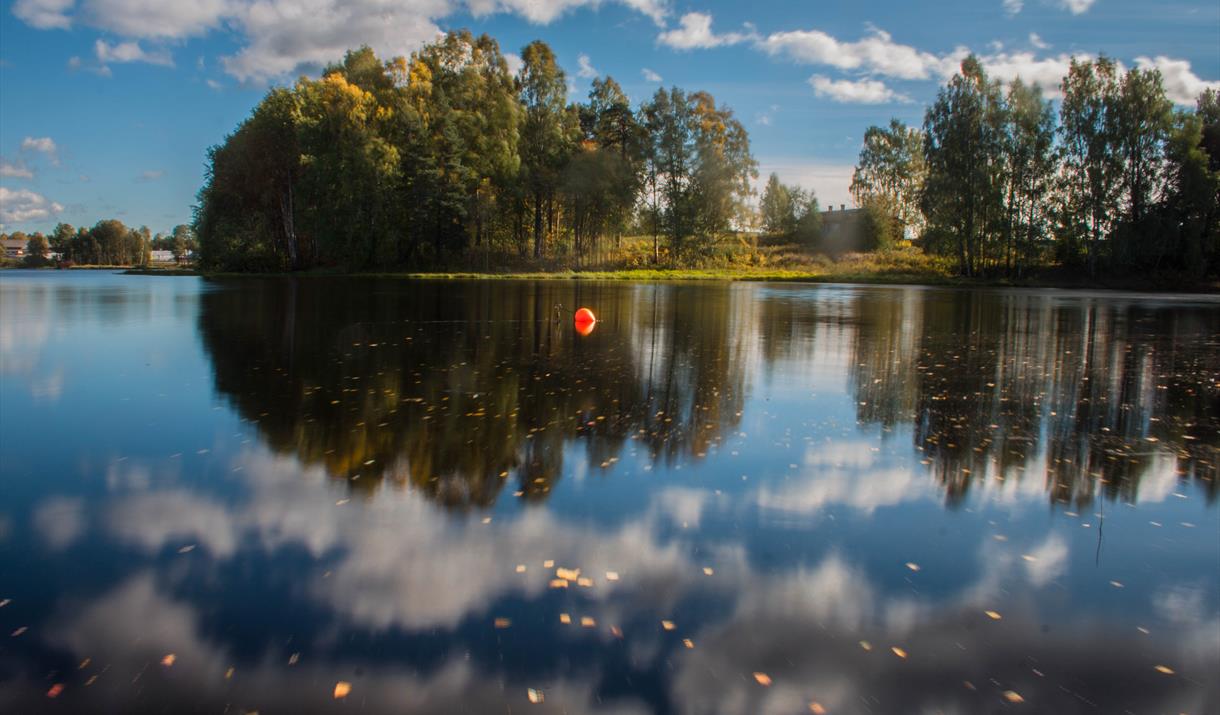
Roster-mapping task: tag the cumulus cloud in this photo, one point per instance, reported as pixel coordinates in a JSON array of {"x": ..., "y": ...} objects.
[
  {"x": 1012, "y": 7},
  {"x": 1181, "y": 83},
  {"x": 877, "y": 53},
  {"x": 1076, "y": 7},
  {"x": 586, "y": 70},
  {"x": 130, "y": 52},
  {"x": 694, "y": 32},
  {"x": 865, "y": 91},
  {"x": 650, "y": 76},
  {"x": 15, "y": 170},
  {"x": 44, "y": 14},
  {"x": 43, "y": 145},
  {"x": 20, "y": 205},
  {"x": 1037, "y": 41}
]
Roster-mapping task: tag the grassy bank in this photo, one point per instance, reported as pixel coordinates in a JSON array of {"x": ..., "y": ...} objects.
[{"x": 893, "y": 267}]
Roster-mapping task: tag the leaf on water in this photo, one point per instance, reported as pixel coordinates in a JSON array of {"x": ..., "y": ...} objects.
[
  {"x": 341, "y": 502},
  {"x": 1013, "y": 696},
  {"x": 168, "y": 659},
  {"x": 503, "y": 623},
  {"x": 559, "y": 583},
  {"x": 487, "y": 520},
  {"x": 1116, "y": 584},
  {"x": 763, "y": 679},
  {"x": 229, "y": 673},
  {"x": 588, "y": 622},
  {"x": 1164, "y": 669},
  {"x": 186, "y": 549},
  {"x": 535, "y": 696},
  {"x": 5, "y": 602},
  {"x": 548, "y": 564},
  {"x": 567, "y": 574},
  {"x": 912, "y": 565},
  {"x": 616, "y": 631},
  {"x": 84, "y": 664},
  {"x": 993, "y": 615},
  {"x": 612, "y": 575},
  {"x": 55, "y": 690},
  {"x": 688, "y": 643},
  {"x": 668, "y": 625},
  {"x": 708, "y": 571},
  {"x": 292, "y": 659},
  {"x": 342, "y": 689},
  {"x": 19, "y": 631},
  {"x": 584, "y": 581},
  {"x": 866, "y": 645},
  {"x": 1029, "y": 557},
  {"x": 520, "y": 568},
  {"x": 899, "y": 652},
  {"x": 565, "y": 618},
  {"x": 816, "y": 708}
]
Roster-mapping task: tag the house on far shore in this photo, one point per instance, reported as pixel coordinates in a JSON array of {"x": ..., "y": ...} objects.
[
  {"x": 161, "y": 256},
  {"x": 13, "y": 247},
  {"x": 842, "y": 230}
]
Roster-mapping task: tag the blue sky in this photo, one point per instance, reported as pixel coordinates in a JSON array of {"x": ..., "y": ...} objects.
[{"x": 107, "y": 107}]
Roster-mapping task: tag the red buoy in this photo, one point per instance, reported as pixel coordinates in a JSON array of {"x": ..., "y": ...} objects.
[{"x": 584, "y": 321}]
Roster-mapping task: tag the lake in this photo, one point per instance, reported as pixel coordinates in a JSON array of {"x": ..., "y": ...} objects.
[{"x": 291, "y": 496}]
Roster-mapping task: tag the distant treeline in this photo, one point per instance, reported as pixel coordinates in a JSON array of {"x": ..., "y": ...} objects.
[
  {"x": 448, "y": 153},
  {"x": 1117, "y": 182},
  {"x": 107, "y": 243}
]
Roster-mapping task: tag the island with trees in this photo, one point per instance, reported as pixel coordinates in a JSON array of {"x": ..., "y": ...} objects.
[{"x": 451, "y": 162}]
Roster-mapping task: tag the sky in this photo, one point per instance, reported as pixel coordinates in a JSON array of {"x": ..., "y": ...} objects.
[{"x": 108, "y": 107}]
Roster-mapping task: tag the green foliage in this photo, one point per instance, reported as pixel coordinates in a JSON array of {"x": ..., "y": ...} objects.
[
  {"x": 891, "y": 170},
  {"x": 446, "y": 157}
]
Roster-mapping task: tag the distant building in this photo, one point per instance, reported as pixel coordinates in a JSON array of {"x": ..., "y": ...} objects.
[
  {"x": 842, "y": 230},
  {"x": 13, "y": 247},
  {"x": 161, "y": 256}
]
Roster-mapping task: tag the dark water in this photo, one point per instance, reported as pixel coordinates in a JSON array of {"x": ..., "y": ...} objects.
[{"x": 231, "y": 496}]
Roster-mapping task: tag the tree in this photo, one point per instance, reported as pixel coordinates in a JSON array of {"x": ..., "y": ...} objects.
[
  {"x": 963, "y": 149},
  {"x": 547, "y": 131},
  {"x": 777, "y": 208},
  {"x": 808, "y": 229},
  {"x": 1092, "y": 166},
  {"x": 37, "y": 247},
  {"x": 1030, "y": 165},
  {"x": 891, "y": 170}
]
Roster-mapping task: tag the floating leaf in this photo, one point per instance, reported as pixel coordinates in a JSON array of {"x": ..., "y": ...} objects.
[
  {"x": 816, "y": 708},
  {"x": 899, "y": 652},
  {"x": 993, "y": 615},
  {"x": 535, "y": 696},
  {"x": 19, "y": 631},
  {"x": 1164, "y": 669},
  {"x": 688, "y": 643},
  {"x": 567, "y": 574},
  {"x": 342, "y": 689},
  {"x": 55, "y": 690},
  {"x": 612, "y": 575},
  {"x": 763, "y": 679},
  {"x": 912, "y": 565},
  {"x": 708, "y": 571},
  {"x": 588, "y": 622},
  {"x": 503, "y": 622},
  {"x": 668, "y": 625},
  {"x": 168, "y": 659},
  {"x": 548, "y": 564},
  {"x": 584, "y": 581},
  {"x": 565, "y": 618},
  {"x": 229, "y": 673},
  {"x": 1013, "y": 696},
  {"x": 559, "y": 583},
  {"x": 866, "y": 645},
  {"x": 520, "y": 568},
  {"x": 616, "y": 631}
]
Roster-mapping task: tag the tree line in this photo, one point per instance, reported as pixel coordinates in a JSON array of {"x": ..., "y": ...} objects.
[
  {"x": 1115, "y": 181},
  {"x": 447, "y": 154},
  {"x": 106, "y": 243}
]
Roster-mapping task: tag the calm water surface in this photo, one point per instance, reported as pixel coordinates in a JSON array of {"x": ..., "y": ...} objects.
[{"x": 232, "y": 496}]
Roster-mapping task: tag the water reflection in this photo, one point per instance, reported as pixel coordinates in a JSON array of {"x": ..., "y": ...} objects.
[
  {"x": 381, "y": 483},
  {"x": 459, "y": 397}
]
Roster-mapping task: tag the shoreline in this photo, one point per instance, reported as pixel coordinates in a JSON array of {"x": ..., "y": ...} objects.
[{"x": 646, "y": 275}]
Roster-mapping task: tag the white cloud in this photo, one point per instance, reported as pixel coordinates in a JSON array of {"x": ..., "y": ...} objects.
[
  {"x": 213, "y": 84},
  {"x": 1012, "y": 7},
  {"x": 650, "y": 76},
  {"x": 130, "y": 52},
  {"x": 1181, "y": 83},
  {"x": 865, "y": 91},
  {"x": 150, "y": 175},
  {"x": 1038, "y": 42},
  {"x": 156, "y": 18},
  {"x": 829, "y": 181},
  {"x": 1076, "y": 7},
  {"x": 15, "y": 170},
  {"x": 44, "y": 14},
  {"x": 695, "y": 33},
  {"x": 877, "y": 54},
  {"x": 586, "y": 69},
  {"x": 514, "y": 62},
  {"x": 60, "y": 521},
  {"x": 543, "y": 12},
  {"x": 1045, "y": 72},
  {"x": 44, "y": 145},
  {"x": 19, "y": 205}
]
